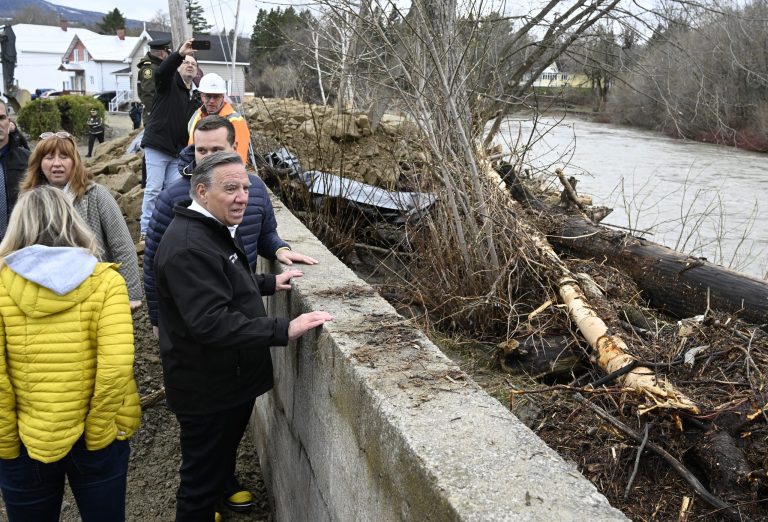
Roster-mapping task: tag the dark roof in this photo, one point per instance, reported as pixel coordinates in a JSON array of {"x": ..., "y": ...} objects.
[{"x": 216, "y": 53}]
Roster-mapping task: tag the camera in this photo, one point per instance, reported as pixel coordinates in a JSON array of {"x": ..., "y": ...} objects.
[{"x": 201, "y": 45}]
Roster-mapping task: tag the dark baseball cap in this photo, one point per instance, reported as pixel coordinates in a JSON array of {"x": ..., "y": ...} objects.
[{"x": 160, "y": 43}]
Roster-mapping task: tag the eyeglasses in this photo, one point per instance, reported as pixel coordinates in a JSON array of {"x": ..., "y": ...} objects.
[{"x": 60, "y": 134}]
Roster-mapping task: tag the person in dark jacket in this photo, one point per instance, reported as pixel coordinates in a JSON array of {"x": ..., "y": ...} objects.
[
  {"x": 135, "y": 114},
  {"x": 95, "y": 130},
  {"x": 215, "y": 336},
  {"x": 258, "y": 229},
  {"x": 258, "y": 232},
  {"x": 158, "y": 51},
  {"x": 13, "y": 166},
  {"x": 165, "y": 134}
]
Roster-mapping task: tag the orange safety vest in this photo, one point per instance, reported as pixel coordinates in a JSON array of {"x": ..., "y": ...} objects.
[{"x": 242, "y": 133}]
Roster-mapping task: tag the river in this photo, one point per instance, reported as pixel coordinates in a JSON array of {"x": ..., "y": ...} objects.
[{"x": 706, "y": 200}]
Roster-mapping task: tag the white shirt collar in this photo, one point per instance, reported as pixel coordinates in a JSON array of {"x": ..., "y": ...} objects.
[{"x": 197, "y": 207}]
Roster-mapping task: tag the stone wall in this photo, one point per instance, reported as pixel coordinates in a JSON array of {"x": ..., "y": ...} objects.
[{"x": 370, "y": 421}]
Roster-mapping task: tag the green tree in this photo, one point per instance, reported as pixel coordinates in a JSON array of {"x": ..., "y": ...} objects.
[
  {"x": 112, "y": 21},
  {"x": 278, "y": 38},
  {"x": 196, "y": 17}
]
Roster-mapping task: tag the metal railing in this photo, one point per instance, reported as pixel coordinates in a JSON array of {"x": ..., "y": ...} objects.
[{"x": 120, "y": 98}]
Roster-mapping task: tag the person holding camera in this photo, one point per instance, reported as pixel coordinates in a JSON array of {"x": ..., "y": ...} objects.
[{"x": 165, "y": 134}]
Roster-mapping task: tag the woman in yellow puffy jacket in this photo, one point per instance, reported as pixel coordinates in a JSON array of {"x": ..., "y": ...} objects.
[{"x": 68, "y": 400}]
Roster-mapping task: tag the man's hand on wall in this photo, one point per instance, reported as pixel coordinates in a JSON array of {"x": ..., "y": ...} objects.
[
  {"x": 283, "y": 281},
  {"x": 289, "y": 257},
  {"x": 306, "y": 322}
]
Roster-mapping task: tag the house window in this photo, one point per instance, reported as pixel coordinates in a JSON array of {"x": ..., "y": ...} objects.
[
  {"x": 563, "y": 77},
  {"x": 76, "y": 55},
  {"x": 549, "y": 76},
  {"x": 91, "y": 77}
]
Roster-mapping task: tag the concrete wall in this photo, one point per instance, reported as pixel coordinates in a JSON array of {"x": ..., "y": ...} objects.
[{"x": 369, "y": 421}]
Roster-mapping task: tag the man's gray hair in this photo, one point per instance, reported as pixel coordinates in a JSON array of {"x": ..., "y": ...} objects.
[{"x": 203, "y": 172}]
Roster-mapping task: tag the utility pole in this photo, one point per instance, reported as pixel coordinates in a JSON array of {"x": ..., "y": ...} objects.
[
  {"x": 181, "y": 31},
  {"x": 234, "y": 52}
]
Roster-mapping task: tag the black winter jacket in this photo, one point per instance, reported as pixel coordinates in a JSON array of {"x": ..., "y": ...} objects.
[
  {"x": 214, "y": 331},
  {"x": 258, "y": 231},
  {"x": 174, "y": 105},
  {"x": 15, "y": 166}
]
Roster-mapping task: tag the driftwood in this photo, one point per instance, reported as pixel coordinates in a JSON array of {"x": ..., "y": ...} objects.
[
  {"x": 609, "y": 349},
  {"x": 542, "y": 358},
  {"x": 723, "y": 508},
  {"x": 569, "y": 195},
  {"x": 612, "y": 356},
  {"x": 725, "y": 465},
  {"x": 153, "y": 397},
  {"x": 671, "y": 281}
]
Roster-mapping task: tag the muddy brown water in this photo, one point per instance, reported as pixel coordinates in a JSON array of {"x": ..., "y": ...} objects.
[{"x": 702, "y": 199}]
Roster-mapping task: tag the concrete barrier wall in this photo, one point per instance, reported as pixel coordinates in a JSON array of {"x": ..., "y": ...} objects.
[{"x": 369, "y": 421}]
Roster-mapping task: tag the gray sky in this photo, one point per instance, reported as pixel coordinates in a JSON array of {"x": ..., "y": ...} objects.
[{"x": 220, "y": 12}]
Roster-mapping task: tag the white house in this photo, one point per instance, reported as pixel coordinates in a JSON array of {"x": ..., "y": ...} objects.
[
  {"x": 553, "y": 76},
  {"x": 39, "y": 49},
  {"x": 93, "y": 59}
]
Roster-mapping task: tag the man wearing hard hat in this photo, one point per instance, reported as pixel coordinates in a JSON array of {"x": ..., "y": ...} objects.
[{"x": 212, "y": 92}]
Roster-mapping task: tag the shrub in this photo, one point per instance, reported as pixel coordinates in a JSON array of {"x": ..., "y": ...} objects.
[
  {"x": 75, "y": 111},
  {"x": 39, "y": 116},
  {"x": 70, "y": 113}
]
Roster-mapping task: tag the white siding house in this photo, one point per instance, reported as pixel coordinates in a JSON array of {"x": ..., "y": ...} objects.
[
  {"x": 39, "y": 50},
  {"x": 94, "y": 58}
]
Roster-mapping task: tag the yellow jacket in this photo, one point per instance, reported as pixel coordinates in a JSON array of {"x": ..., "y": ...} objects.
[{"x": 66, "y": 360}]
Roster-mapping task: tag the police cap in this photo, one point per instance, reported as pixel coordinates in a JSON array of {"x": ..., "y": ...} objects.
[{"x": 160, "y": 44}]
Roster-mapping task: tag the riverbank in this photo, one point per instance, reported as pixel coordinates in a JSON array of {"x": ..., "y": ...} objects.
[
  {"x": 702, "y": 199},
  {"x": 749, "y": 140}
]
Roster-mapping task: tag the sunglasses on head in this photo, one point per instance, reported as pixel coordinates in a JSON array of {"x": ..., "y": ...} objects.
[{"x": 60, "y": 134}]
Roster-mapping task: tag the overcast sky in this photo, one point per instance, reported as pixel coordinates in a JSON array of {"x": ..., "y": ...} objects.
[{"x": 220, "y": 12}]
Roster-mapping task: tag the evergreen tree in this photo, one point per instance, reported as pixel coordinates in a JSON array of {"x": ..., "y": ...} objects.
[
  {"x": 196, "y": 17},
  {"x": 272, "y": 30},
  {"x": 112, "y": 21}
]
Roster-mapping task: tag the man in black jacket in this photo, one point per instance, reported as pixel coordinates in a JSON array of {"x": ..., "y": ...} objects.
[
  {"x": 13, "y": 166},
  {"x": 214, "y": 333},
  {"x": 165, "y": 134}
]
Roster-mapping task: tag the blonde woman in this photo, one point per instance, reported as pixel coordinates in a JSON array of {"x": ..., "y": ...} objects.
[
  {"x": 68, "y": 400},
  {"x": 55, "y": 161}
]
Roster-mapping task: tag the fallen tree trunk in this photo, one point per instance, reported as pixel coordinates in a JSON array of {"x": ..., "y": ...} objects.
[
  {"x": 610, "y": 351},
  {"x": 676, "y": 283}
]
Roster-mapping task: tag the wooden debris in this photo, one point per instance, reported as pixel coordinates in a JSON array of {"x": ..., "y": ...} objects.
[{"x": 152, "y": 398}]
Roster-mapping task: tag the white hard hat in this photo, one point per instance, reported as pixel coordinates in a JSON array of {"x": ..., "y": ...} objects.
[{"x": 212, "y": 83}]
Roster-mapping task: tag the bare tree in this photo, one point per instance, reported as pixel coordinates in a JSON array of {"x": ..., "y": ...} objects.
[
  {"x": 282, "y": 79},
  {"x": 161, "y": 21},
  {"x": 34, "y": 15}
]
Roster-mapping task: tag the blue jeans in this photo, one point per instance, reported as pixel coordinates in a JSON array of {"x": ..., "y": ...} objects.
[
  {"x": 33, "y": 491},
  {"x": 162, "y": 170}
]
